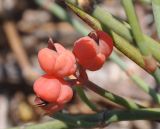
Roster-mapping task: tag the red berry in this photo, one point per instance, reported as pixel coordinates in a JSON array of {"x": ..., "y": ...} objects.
[
  {"x": 59, "y": 63},
  {"x": 65, "y": 64},
  {"x": 47, "y": 58},
  {"x": 85, "y": 48},
  {"x": 52, "y": 89},
  {"x": 90, "y": 54},
  {"x": 95, "y": 63},
  {"x": 47, "y": 88}
]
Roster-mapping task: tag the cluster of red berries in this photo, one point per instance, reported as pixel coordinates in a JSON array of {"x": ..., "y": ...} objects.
[{"x": 52, "y": 90}]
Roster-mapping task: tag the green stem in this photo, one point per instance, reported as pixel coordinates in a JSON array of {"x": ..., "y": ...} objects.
[
  {"x": 127, "y": 49},
  {"x": 56, "y": 124},
  {"x": 106, "y": 117},
  {"x": 135, "y": 27},
  {"x": 112, "y": 97},
  {"x": 76, "y": 120},
  {"x": 85, "y": 98},
  {"x": 156, "y": 12}
]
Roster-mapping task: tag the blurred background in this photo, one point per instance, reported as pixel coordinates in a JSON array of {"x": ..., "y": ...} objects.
[{"x": 25, "y": 26}]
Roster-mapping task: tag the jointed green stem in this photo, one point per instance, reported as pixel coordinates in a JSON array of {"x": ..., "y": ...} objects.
[
  {"x": 112, "y": 97},
  {"x": 106, "y": 117}
]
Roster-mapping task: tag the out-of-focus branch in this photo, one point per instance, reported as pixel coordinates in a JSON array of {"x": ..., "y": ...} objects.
[{"x": 17, "y": 48}]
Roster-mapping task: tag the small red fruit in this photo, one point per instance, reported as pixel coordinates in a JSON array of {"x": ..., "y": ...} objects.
[
  {"x": 52, "y": 89},
  {"x": 59, "y": 63},
  {"x": 91, "y": 51}
]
